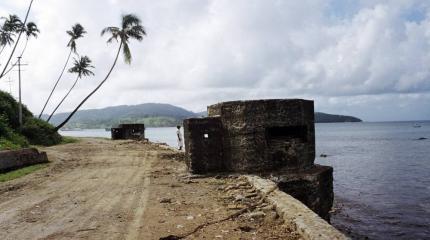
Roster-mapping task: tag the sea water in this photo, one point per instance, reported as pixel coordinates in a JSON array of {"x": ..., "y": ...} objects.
[{"x": 381, "y": 175}]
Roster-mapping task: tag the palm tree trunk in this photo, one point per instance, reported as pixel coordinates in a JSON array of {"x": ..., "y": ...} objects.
[
  {"x": 64, "y": 98},
  {"x": 22, "y": 53},
  {"x": 56, "y": 83},
  {"x": 89, "y": 95},
  {"x": 17, "y": 41}
]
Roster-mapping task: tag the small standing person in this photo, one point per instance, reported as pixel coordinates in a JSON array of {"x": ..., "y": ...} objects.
[{"x": 179, "y": 134}]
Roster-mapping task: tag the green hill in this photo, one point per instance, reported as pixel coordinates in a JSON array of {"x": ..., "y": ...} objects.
[
  {"x": 151, "y": 114},
  {"x": 331, "y": 118}
]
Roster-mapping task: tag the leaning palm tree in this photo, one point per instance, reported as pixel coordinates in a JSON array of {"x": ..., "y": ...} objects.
[
  {"x": 11, "y": 25},
  {"x": 30, "y": 30},
  {"x": 131, "y": 28},
  {"x": 81, "y": 67},
  {"x": 17, "y": 40},
  {"x": 77, "y": 32}
]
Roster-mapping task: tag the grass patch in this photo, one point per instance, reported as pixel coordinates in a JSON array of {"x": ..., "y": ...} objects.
[
  {"x": 66, "y": 140},
  {"x": 4, "y": 177}
]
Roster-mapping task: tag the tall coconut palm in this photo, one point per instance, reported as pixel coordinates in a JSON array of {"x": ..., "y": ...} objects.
[
  {"x": 81, "y": 67},
  {"x": 17, "y": 40},
  {"x": 131, "y": 28},
  {"x": 11, "y": 25},
  {"x": 30, "y": 30},
  {"x": 77, "y": 32}
]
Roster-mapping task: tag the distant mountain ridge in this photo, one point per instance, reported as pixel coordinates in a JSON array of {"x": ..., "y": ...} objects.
[
  {"x": 153, "y": 115},
  {"x": 319, "y": 117}
]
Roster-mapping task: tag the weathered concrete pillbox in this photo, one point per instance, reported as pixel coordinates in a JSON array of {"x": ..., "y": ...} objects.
[
  {"x": 252, "y": 136},
  {"x": 271, "y": 138},
  {"x": 128, "y": 131}
]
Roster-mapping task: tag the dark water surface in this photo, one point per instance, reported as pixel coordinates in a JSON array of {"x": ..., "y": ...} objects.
[{"x": 381, "y": 177}]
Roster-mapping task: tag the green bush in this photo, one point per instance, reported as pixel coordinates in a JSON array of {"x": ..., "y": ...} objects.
[
  {"x": 34, "y": 131},
  {"x": 8, "y": 138},
  {"x": 8, "y": 145},
  {"x": 9, "y": 108},
  {"x": 39, "y": 132}
]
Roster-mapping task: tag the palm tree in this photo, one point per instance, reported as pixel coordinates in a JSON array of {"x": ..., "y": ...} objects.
[
  {"x": 30, "y": 30},
  {"x": 131, "y": 28},
  {"x": 81, "y": 67},
  {"x": 11, "y": 25},
  {"x": 17, "y": 40},
  {"x": 77, "y": 32}
]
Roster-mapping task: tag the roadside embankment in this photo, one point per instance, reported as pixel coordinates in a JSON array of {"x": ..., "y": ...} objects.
[
  {"x": 11, "y": 160},
  {"x": 295, "y": 214}
]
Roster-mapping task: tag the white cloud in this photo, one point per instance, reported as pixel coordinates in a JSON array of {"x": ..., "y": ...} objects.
[{"x": 197, "y": 52}]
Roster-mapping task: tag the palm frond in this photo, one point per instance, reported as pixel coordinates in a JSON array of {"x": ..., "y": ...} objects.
[
  {"x": 12, "y": 24},
  {"x": 127, "y": 53},
  {"x": 130, "y": 20},
  {"x": 6, "y": 38},
  {"x": 112, "y": 30},
  {"x": 81, "y": 66},
  {"x": 136, "y": 32},
  {"x": 77, "y": 32},
  {"x": 31, "y": 30}
]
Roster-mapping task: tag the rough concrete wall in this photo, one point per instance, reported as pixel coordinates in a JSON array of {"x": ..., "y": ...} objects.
[
  {"x": 10, "y": 160},
  {"x": 295, "y": 214},
  {"x": 128, "y": 131},
  {"x": 273, "y": 137},
  {"x": 313, "y": 187},
  {"x": 203, "y": 145},
  {"x": 116, "y": 133},
  {"x": 259, "y": 135}
]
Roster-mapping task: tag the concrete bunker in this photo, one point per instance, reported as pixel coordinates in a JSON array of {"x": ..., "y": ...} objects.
[
  {"x": 266, "y": 137},
  {"x": 128, "y": 131}
]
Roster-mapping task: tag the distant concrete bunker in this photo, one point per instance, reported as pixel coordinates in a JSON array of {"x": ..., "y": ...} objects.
[
  {"x": 266, "y": 137},
  {"x": 128, "y": 131}
]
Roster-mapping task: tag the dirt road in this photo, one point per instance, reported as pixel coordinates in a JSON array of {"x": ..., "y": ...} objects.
[
  {"x": 101, "y": 189},
  {"x": 94, "y": 188}
]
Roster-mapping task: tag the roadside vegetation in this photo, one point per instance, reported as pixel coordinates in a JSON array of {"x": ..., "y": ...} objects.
[
  {"x": 4, "y": 177},
  {"x": 67, "y": 140},
  {"x": 33, "y": 132}
]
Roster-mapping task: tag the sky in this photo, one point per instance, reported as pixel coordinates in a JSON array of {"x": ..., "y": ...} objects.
[{"x": 367, "y": 58}]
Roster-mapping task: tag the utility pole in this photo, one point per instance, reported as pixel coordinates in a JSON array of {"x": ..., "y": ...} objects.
[
  {"x": 20, "y": 102},
  {"x": 19, "y": 86}
]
